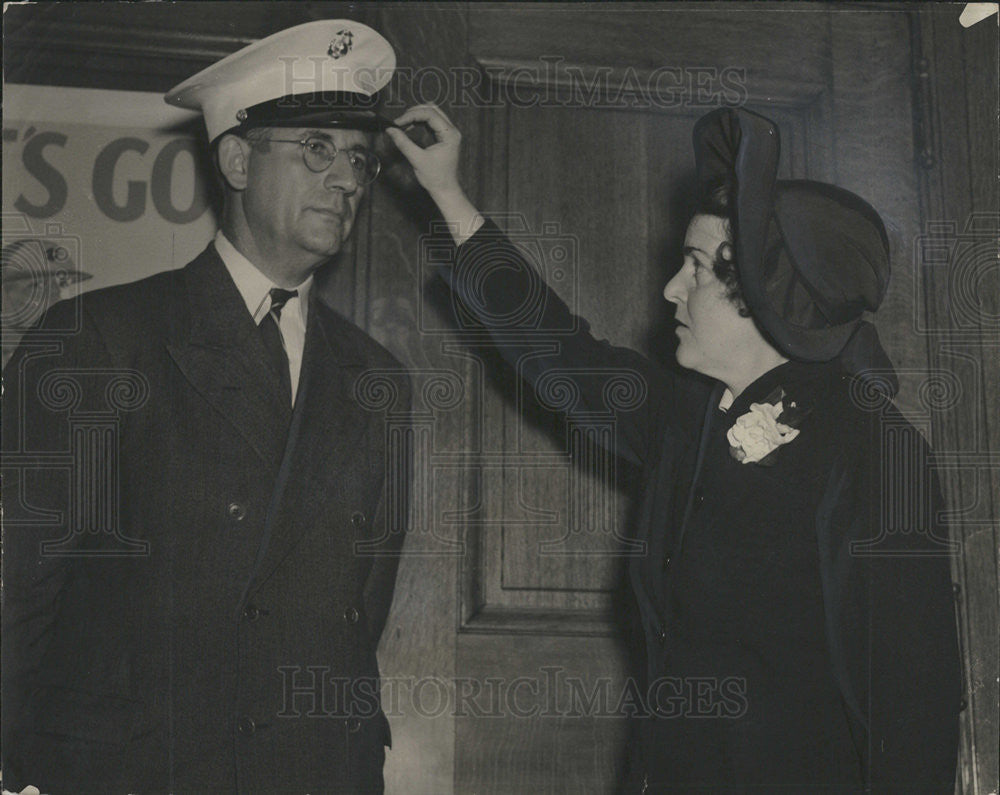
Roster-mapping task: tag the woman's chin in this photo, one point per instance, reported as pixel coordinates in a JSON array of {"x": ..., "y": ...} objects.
[{"x": 686, "y": 357}]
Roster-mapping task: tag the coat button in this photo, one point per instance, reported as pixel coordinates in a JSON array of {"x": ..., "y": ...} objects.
[
  {"x": 236, "y": 511},
  {"x": 667, "y": 559},
  {"x": 354, "y": 725},
  {"x": 247, "y": 726},
  {"x": 699, "y": 497},
  {"x": 358, "y": 519},
  {"x": 351, "y": 615},
  {"x": 251, "y": 612},
  {"x": 661, "y": 635}
]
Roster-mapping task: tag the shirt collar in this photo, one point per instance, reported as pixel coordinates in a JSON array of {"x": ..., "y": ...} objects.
[
  {"x": 726, "y": 400},
  {"x": 253, "y": 285}
]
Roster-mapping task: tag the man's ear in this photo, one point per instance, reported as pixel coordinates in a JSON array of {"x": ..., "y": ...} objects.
[{"x": 233, "y": 156}]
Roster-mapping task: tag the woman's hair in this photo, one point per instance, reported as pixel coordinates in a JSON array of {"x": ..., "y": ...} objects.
[{"x": 719, "y": 199}]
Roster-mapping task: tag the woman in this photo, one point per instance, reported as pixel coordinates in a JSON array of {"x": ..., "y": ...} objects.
[{"x": 774, "y": 568}]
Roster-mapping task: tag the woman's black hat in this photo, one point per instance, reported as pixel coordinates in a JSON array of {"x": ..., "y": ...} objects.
[{"x": 813, "y": 258}]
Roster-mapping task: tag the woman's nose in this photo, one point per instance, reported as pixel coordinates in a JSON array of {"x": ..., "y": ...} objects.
[{"x": 673, "y": 290}]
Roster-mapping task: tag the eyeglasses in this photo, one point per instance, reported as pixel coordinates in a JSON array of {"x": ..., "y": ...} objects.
[{"x": 319, "y": 153}]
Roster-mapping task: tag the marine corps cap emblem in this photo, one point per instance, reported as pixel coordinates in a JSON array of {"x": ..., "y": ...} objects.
[{"x": 341, "y": 45}]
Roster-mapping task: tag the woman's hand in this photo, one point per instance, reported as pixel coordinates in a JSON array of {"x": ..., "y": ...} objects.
[{"x": 436, "y": 167}]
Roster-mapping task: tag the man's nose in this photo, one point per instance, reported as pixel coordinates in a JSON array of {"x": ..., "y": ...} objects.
[{"x": 341, "y": 174}]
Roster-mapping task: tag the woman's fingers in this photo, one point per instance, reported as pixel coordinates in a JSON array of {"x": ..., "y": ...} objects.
[
  {"x": 433, "y": 117},
  {"x": 403, "y": 143}
]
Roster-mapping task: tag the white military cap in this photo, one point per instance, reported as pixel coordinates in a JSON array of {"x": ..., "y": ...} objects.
[{"x": 326, "y": 73}]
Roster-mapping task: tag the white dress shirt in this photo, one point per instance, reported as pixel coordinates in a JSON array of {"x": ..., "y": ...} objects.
[{"x": 255, "y": 288}]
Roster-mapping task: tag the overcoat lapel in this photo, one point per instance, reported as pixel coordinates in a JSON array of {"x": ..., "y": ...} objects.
[
  {"x": 704, "y": 439},
  {"x": 220, "y": 352},
  {"x": 326, "y": 429},
  {"x": 658, "y": 519}
]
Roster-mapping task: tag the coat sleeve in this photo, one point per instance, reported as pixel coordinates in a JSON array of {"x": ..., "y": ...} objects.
[
  {"x": 389, "y": 524},
  {"x": 497, "y": 291},
  {"x": 885, "y": 560},
  {"x": 38, "y": 383}
]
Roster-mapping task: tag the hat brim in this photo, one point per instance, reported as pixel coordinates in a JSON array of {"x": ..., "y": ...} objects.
[
  {"x": 336, "y": 110},
  {"x": 747, "y": 146}
]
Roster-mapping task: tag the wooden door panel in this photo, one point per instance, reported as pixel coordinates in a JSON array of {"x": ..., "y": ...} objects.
[
  {"x": 554, "y": 727},
  {"x": 637, "y": 36}
]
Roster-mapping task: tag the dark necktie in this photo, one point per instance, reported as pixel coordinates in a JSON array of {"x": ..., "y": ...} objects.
[{"x": 271, "y": 335}]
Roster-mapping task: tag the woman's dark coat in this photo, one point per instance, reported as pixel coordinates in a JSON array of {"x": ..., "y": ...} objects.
[{"x": 797, "y": 613}]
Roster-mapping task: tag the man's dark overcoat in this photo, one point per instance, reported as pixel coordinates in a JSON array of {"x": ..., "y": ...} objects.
[
  {"x": 217, "y": 630},
  {"x": 797, "y": 613}
]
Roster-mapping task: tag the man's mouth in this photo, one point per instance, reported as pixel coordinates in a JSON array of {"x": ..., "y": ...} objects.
[{"x": 326, "y": 211}]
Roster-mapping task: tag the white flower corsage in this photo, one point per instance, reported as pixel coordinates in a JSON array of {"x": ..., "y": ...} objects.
[{"x": 757, "y": 434}]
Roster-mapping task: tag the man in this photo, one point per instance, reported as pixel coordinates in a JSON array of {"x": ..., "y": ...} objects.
[
  {"x": 794, "y": 556},
  {"x": 194, "y": 604}
]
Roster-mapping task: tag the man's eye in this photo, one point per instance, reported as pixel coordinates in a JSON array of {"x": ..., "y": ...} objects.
[
  {"x": 359, "y": 158},
  {"x": 319, "y": 147}
]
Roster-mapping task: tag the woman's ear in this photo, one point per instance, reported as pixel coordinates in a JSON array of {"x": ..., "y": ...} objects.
[{"x": 233, "y": 156}]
